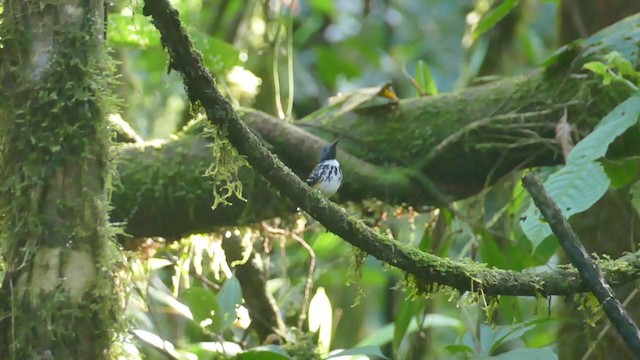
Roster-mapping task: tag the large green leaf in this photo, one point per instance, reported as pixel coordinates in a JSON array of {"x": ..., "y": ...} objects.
[
  {"x": 267, "y": 352},
  {"x": 384, "y": 334},
  {"x": 595, "y": 145},
  {"x": 229, "y": 297},
  {"x": 494, "y": 16},
  {"x": 524, "y": 354},
  {"x": 369, "y": 350},
  {"x": 574, "y": 188},
  {"x": 582, "y": 182},
  {"x": 202, "y": 303}
]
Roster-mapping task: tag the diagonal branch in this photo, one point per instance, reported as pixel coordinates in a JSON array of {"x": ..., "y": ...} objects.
[
  {"x": 587, "y": 268},
  {"x": 428, "y": 268}
]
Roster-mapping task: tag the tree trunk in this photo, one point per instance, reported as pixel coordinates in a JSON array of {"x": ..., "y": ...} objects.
[{"x": 59, "y": 298}]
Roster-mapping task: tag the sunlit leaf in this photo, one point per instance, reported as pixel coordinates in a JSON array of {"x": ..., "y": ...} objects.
[
  {"x": 229, "y": 297},
  {"x": 320, "y": 318},
  {"x": 205, "y": 349},
  {"x": 494, "y": 16},
  {"x": 266, "y": 352},
  {"x": 323, "y": 6},
  {"x": 425, "y": 80},
  {"x": 370, "y": 350},
  {"x": 171, "y": 302},
  {"x": 136, "y": 30},
  {"x": 202, "y": 303},
  {"x": 601, "y": 69},
  {"x": 156, "y": 341}
]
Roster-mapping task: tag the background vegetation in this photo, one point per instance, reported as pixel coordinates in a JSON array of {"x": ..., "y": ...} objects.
[{"x": 190, "y": 293}]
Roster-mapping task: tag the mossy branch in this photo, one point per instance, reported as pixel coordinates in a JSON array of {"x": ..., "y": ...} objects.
[
  {"x": 428, "y": 268},
  {"x": 587, "y": 268}
]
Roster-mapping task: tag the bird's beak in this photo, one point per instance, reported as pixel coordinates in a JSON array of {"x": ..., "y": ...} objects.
[{"x": 335, "y": 143}]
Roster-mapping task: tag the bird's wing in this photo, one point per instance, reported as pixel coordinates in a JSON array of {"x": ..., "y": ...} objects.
[{"x": 315, "y": 176}]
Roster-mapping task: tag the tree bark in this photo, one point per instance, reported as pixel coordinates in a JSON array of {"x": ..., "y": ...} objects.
[{"x": 58, "y": 297}]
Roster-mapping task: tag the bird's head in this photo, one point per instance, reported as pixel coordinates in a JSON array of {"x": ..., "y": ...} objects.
[{"x": 329, "y": 152}]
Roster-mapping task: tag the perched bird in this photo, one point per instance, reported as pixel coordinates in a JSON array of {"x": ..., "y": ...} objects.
[{"x": 327, "y": 175}]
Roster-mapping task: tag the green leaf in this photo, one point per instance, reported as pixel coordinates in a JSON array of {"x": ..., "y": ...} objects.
[
  {"x": 622, "y": 172},
  {"x": 508, "y": 333},
  {"x": 229, "y": 297},
  {"x": 384, "y": 334},
  {"x": 494, "y": 16},
  {"x": 574, "y": 188},
  {"x": 425, "y": 80},
  {"x": 132, "y": 30},
  {"x": 363, "y": 350},
  {"x": 601, "y": 69},
  {"x": 320, "y": 318},
  {"x": 582, "y": 182},
  {"x": 171, "y": 302},
  {"x": 459, "y": 349},
  {"x": 635, "y": 196},
  {"x": 266, "y": 352},
  {"x": 595, "y": 145},
  {"x": 202, "y": 303},
  {"x": 136, "y": 30},
  {"x": 323, "y": 6},
  {"x": 408, "y": 310},
  {"x": 203, "y": 350},
  {"x": 524, "y": 354}
]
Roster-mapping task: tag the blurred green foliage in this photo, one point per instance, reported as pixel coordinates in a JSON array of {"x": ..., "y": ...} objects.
[{"x": 186, "y": 301}]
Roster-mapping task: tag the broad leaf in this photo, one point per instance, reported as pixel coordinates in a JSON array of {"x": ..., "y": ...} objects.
[
  {"x": 595, "y": 145},
  {"x": 364, "y": 350},
  {"x": 229, "y": 297},
  {"x": 524, "y": 354},
  {"x": 575, "y": 188},
  {"x": 494, "y": 16},
  {"x": 384, "y": 334},
  {"x": 266, "y": 352},
  {"x": 202, "y": 303},
  {"x": 425, "y": 80},
  {"x": 582, "y": 182}
]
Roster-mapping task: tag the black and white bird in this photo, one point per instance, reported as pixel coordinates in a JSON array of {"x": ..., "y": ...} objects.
[{"x": 327, "y": 176}]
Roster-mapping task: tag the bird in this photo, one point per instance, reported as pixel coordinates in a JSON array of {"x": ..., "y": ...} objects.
[{"x": 327, "y": 175}]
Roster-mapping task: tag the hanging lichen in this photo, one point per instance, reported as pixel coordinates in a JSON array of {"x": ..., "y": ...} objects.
[{"x": 224, "y": 167}]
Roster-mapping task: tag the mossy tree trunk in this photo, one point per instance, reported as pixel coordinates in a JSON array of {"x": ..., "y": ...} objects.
[{"x": 59, "y": 299}]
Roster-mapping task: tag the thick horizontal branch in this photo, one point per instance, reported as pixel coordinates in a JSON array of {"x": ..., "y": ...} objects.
[
  {"x": 460, "y": 141},
  {"x": 426, "y": 267}
]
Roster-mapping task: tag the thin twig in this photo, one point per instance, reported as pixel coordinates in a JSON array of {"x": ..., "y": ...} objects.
[{"x": 588, "y": 269}]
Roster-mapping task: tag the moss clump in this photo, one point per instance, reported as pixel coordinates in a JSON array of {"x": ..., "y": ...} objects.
[
  {"x": 54, "y": 157},
  {"x": 224, "y": 168}
]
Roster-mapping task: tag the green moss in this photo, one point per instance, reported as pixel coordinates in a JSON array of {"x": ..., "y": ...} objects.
[{"x": 54, "y": 148}]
